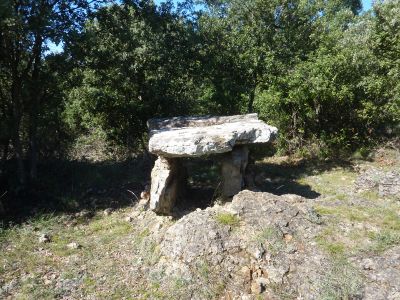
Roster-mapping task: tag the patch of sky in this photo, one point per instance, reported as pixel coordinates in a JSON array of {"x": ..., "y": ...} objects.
[{"x": 367, "y": 4}]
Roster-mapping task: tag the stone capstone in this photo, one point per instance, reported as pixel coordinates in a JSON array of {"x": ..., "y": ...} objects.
[{"x": 198, "y": 136}]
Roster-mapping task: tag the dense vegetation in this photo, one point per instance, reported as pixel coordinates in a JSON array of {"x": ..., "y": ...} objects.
[{"x": 326, "y": 74}]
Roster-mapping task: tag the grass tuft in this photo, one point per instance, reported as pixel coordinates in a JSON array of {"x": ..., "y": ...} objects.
[{"x": 227, "y": 219}]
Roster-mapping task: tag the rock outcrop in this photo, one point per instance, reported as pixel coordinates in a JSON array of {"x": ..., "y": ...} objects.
[
  {"x": 385, "y": 183},
  {"x": 268, "y": 249}
]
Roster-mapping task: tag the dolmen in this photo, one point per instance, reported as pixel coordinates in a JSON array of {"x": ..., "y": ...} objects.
[{"x": 176, "y": 138}]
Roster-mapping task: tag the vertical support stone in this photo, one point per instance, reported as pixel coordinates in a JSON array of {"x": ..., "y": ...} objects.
[
  {"x": 168, "y": 180},
  {"x": 233, "y": 170}
]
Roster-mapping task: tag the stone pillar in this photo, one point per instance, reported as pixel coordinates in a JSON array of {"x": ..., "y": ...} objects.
[
  {"x": 168, "y": 180},
  {"x": 233, "y": 170}
]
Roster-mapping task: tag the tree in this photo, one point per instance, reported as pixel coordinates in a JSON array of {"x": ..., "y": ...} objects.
[
  {"x": 138, "y": 63},
  {"x": 26, "y": 29}
]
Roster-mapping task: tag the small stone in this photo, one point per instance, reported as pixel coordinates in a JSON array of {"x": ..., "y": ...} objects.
[
  {"x": 291, "y": 249},
  {"x": 368, "y": 264},
  {"x": 74, "y": 245},
  {"x": 288, "y": 237},
  {"x": 108, "y": 211},
  {"x": 44, "y": 238},
  {"x": 84, "y": 214},
  {"x": 145, "y": 195},
  {"x": 259, "y": 252},
  {"x": 128, "y": 219},
  {"x": 246, "y": 272},
  {"x": 258, "y": 286},
  {"x": 276, "y": 274}
]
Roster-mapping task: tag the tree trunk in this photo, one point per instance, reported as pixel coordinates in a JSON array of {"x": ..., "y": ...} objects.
[
  {"x": 34, "y": 108},
  {"x": 6, "y": 147},
  {"x": 251, "y": 100},
  {"x": 19, "y": 156},
  {"x": 16, "y": 126},
  {"x": 33, "y": 151}
]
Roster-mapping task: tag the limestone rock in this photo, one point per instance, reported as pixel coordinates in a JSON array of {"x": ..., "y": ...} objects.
[
  {"x": 74, "y": 245},
  {"x": 389, "y": 185},
  {"x": 199, "y": 237},
  {"x": 369, "y": 179},
  {"x": 197, "y": 136},
  {"x": 233, "y": 170},
  {"x": 386, "y": 183},
  {"x": 108, "y": 211},
  {"x": 167, "y": 182},
  {"x": 44, "y": 238}
]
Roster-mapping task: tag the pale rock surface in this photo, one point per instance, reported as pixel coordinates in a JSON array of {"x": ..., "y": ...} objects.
[
  {"x": 198, "y": 238},
  {"x": 44, "y": 238},
  {"x": 191, "y": 137},
  {"x": 167, "y": 182},
  {"x": 74, "y": 245},
  {"x": 272, "y": 253},
  {"x": 389, "y": 185},
  {"x": 233, "y": 169},
  {"x": 386, "y": 183}
]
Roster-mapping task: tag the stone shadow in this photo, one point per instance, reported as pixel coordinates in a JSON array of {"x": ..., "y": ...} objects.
[
  {"x": 283, "y": 177},
  {"x": 275, "y": 177}
]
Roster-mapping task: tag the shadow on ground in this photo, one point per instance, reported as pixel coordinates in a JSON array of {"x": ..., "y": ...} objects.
[
  {"x": 72, "y": 186},
  {"x": 282, "y": 177},
  {"x": 275, "y": 177}
]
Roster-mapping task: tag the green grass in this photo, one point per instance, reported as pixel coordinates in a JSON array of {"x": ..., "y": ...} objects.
[
  {"x": 330, "y": 182},
  {"x": 384, "y": 240},
  {"x": 341, "y": 281},
  {"x": 384, "y": 220},
  {"x": 101, "y": 237},
  {"x": 227, "y": 219},
  {"x": 326, "y": 240}
]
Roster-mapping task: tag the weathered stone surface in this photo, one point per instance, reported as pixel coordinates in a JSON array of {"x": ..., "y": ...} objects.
[
  {"x": 198, "y": 240},
  {"x": 390, "y": 184},
  {"x": 167, "y": 183},
  {"x": 197, "y": 136},
  {"x": 233, "y": 170},
  {"x": 369, "y": 179},
  {"x": 386, "y": 183}
]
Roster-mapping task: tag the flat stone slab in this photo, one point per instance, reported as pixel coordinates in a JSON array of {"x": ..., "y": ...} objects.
[{"x": 198, "y": 136}]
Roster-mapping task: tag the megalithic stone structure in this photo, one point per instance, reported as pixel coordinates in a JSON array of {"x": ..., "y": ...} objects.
[{"x": 175, "y": 138}]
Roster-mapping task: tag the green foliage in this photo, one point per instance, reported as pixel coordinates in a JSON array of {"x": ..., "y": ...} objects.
[
  {"x": 325, "y": 75},
  {"x": 136, "y": 66}
]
